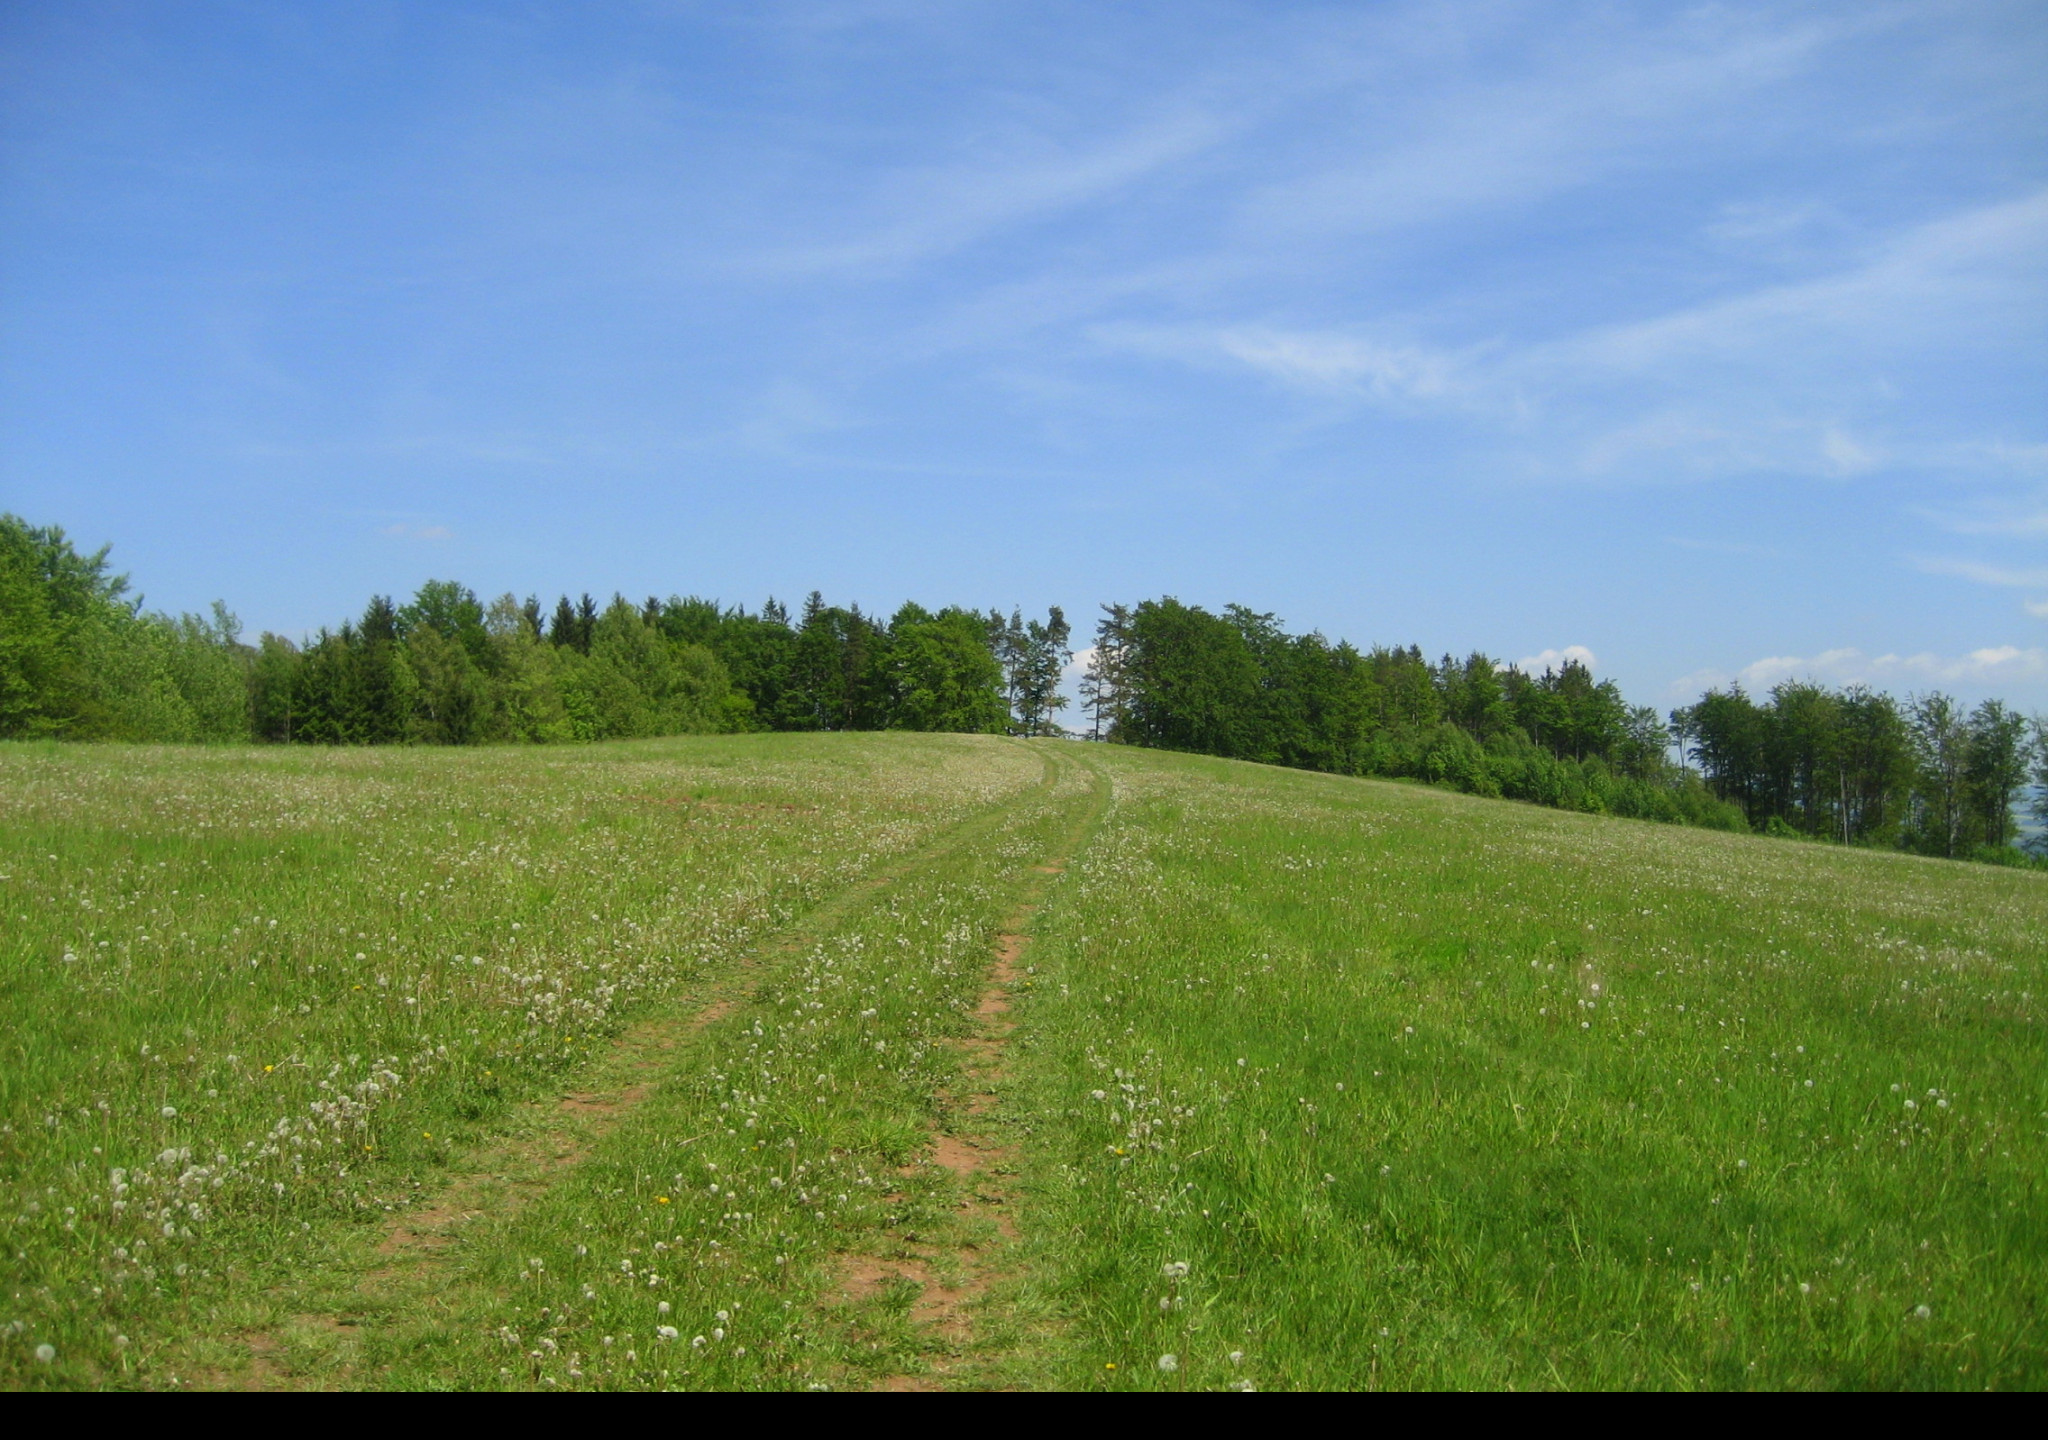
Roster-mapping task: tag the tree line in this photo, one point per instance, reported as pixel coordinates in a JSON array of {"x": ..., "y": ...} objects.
[
  {"x": 82, "y": 659},
  {"x": 1853, "y": 766}
]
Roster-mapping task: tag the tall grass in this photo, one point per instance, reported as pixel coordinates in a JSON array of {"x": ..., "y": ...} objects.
[
  {"x": 1315, "y": 1081},
  {"x": 1428, "y": 1091},
  {"x": 255, "y": 998}
]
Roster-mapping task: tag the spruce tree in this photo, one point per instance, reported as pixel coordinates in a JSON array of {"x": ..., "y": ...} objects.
[
  {"x": 562, "y": 629},
  {"x": 1102, "y": 684}
]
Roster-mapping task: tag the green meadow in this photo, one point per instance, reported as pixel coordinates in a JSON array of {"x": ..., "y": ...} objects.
[{"x": 883, "y": 1060}]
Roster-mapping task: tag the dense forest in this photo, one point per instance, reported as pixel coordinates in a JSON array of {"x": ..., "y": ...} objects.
[{"x": 80, "y": 659}]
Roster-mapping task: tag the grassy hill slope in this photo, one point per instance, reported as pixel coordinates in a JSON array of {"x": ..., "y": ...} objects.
[
  {"x": 1427, "y": 1090},
  {"x": 848, "y": 1060}
]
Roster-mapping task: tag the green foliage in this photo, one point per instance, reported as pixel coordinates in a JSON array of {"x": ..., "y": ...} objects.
[
  {"x": 78, "y": 661},
  {"x": 942, "y": 674},
  {"x": 1176, "y": 677},
  {"x": 1194, "y": 683}
]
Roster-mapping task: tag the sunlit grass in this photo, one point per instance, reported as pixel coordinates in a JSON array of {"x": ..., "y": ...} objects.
[
  {"x": 1430, "y": 1091},
  {"x": 1316, "y": 1082},
  {"x": 251, "y": 994}
]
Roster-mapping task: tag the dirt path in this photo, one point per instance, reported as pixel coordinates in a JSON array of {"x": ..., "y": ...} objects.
[
  {"x": 405, "y": 1266},
  {"x": 955, "y": 1282}
]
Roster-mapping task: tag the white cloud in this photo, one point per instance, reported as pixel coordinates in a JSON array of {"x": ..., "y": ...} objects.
[
  {"x": 1775, "y": 379},
  {"x": 934, "y": 210},
  {"x": 1744, "y": 223},
  {"x": 2038, "y": 609},
  {"x": 1318, "y": 362},
  {"x": 1846, "y": 456},
  {"x": 1588, "y": 110},
  {"x": 1667, "y": 438},
  {"x": 1333, "y": 362},
  {"x": 1985, "y": 574},
  {"x": 1556, "y": 659},
  {"x": 418, "y": 532},
  {"x": 1992, "y": 665},
  {"x": 1981, "y": 254},
  {"x": 1993, "y": 517}
]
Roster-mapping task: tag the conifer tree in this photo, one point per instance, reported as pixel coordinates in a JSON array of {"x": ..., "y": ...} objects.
[
  {"x": 562, "y": 629},
  {"x": 1102, "y": 683},
  {"x": 1044, "y": 656}
]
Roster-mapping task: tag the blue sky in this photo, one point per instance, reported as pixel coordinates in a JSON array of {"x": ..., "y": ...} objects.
[{"x": 1712, "y": 341}]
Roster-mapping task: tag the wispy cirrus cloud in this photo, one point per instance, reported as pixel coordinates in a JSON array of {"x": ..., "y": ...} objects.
[
  {"x": 924, "y": 213},
  {"x": 1589, "y": 105},
  {"x": 1983, "y": 574},
  {"x": 1777, "y": 379},
  {"x": 1319, "y": 363}
]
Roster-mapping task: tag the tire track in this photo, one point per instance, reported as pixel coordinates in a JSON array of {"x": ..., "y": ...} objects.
[
  {"x": 547, "y": 1138},
  {"x": 954, "y": 1282}
]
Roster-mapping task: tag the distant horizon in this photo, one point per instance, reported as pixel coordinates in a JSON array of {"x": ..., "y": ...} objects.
[
  {"x": 1707, "y": 346},
  {"x": 1756, "y": 680}
]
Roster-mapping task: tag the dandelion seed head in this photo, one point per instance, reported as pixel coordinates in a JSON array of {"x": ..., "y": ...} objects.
[{"x": 1169, "y": 1363}]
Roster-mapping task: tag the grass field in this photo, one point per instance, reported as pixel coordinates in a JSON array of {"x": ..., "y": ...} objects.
[{"x": 846, "y": 1061}]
